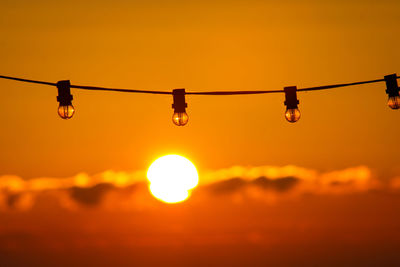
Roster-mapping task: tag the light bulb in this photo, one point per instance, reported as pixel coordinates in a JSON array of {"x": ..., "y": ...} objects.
[
  {"x": 180, "y": 118},
  {"x": 66, "y": 112},
  {"x": 292, "y": 114},
  {"x": 394, "y": 102}
]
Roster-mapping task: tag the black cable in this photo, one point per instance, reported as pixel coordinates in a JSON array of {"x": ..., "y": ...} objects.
[
  {"x": 26, "y": 80},
  {"x": 83, "y": 87},
  {"x": 339, "y": 85},
  {"x": 86, "y": 87},
  {"x": 235, "y": 92},
  {"x": 324, "y": 87}
]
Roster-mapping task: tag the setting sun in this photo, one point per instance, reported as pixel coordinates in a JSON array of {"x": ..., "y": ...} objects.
[{"x": 171, "y": 178}]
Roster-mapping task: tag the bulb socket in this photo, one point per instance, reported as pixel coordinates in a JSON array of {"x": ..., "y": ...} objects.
[
  {"x": 392, "y": 88},
  {"x": 291, "y": 100},
  {"x": 64, "y": 93},
  {"x": 179, "y": 104}
]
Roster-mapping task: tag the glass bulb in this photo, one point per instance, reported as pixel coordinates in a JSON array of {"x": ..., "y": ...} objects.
[
  {"x": 394, "y": 102},
  {"x": 292, "y": 114},
  {"x": 180, "y": 118},
  {"x": 66, "y": 112}
]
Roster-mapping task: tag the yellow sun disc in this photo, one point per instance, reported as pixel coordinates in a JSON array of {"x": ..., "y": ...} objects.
[{"x": 171, "y": 178}]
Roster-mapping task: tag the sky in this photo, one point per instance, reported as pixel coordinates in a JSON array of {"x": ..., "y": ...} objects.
[
  {"x": 269, "y": 215},
  {"x": 201, "y": 46}
]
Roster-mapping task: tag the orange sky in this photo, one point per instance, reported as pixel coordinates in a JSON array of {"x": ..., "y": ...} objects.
[
  {"x": 299, "y": 217},
  {"x": 198, "y": 45},
  {"x": 73, "y": 190}
]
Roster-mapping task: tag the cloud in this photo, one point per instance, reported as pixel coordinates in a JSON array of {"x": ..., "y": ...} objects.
[
  {"x": 118, "y": 179},
  {"x": 90, "y": 195},
  {"x": 279, "y": 184},
  {"x": 281, "y": 179},
  {"x": 251, "y": 173},
  {"x": 237, "y": 184},
  {"x": 20, "y": 201},
  {"x": 227, "y": 186},
  {"x": 126, "y": 190}
]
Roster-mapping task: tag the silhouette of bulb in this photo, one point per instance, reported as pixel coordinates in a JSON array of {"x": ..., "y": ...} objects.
[
  {"x": 394, "y": 102},
  {"x": 180, "y": 118},
  {"x": 66, "y": 112},
  {"x": 292, "y": 114}
]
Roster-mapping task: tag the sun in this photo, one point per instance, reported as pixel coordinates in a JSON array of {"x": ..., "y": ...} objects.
[{"x": 172, "y": 178}]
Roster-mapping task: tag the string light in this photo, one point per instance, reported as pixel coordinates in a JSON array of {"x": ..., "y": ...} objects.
[
  {"x": 392, "y": 89},
  {"x": 66, "y": 110},
  {"x": 292, "y": 113},
  {"x": 180, "y": 118}
]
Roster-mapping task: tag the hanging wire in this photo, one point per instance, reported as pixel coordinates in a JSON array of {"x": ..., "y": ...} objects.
[
  {"x": 325, "y": 87},
  {"x": 96, "y": 88},
  {"x": 26, "y": 80}
]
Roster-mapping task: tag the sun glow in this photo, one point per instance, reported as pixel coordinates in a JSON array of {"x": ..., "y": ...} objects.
[{"x": 171, "y": 178}]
